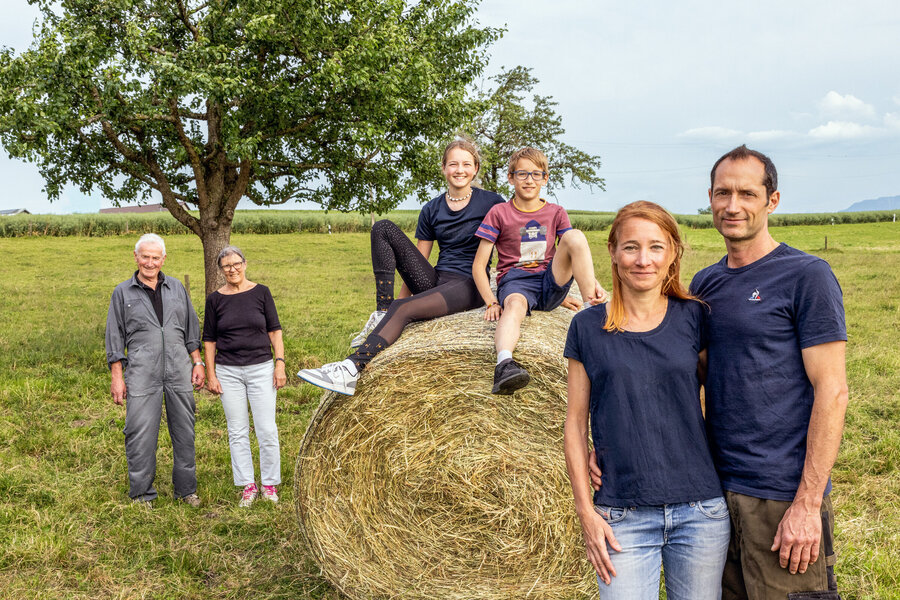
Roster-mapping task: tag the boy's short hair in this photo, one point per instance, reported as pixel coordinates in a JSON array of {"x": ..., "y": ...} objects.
[{"x": 532, "y": 154}]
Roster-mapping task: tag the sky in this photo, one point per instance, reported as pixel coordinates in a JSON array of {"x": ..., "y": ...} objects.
[{"x": 659, "y": 90}]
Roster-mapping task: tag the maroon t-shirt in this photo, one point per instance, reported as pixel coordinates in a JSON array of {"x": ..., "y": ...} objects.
[{"x": 524, "y": 240}]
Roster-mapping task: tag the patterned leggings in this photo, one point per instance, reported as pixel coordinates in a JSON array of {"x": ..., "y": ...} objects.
[{"x": 435, "y": 293}]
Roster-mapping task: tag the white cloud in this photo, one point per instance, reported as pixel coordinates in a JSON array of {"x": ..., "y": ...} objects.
[
  {"x": 771, "y": 135},
  {"x": 711, "y": 133},
  {"x": 844, "y": 130},
  {"x": 896, "y": 99},
  {"x": 892, "y": 121},
  {"x": 849, "y": 106}
]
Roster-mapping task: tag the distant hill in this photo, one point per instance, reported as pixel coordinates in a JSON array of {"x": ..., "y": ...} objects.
[{"x": 883, "y": 203}]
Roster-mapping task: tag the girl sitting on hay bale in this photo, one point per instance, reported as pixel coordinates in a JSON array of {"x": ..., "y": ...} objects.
[
  {"x": 633, "y": 368},
  {"x": 451, "y": 220}
]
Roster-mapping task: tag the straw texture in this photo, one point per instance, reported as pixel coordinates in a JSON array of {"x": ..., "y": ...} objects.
[{"x": 425, "y": 485}]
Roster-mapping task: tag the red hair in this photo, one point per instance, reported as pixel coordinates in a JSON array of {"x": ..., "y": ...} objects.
[{"x": 672, "y": 286}]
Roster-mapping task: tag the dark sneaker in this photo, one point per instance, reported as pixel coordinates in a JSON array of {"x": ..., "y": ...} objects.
[{"x": 509, "y": 377}]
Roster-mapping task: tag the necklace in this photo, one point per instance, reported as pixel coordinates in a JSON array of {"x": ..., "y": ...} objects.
[{"x": 452, "y": 199}]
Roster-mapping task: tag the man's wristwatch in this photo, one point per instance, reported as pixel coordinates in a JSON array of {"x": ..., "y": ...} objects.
[{"x": 199, "y": 363}]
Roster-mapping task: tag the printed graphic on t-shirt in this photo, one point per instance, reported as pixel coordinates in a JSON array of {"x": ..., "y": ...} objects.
[
  {"x": 533, "y": 248},
  {"x": 755, "y": 297}
]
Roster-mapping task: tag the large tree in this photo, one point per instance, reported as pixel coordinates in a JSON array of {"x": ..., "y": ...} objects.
[
  {"x": 507, "y": 121},
  {"x": 206, "y": 102}
]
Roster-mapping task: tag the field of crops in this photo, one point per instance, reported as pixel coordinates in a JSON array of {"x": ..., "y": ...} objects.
[{"x": 313, "y": 221}]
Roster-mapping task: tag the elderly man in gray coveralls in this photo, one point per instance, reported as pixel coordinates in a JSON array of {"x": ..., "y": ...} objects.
[{"x": 152, "y": 340}]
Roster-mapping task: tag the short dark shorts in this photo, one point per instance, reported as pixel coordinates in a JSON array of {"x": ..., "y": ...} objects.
[{"x": 540, "y": 289}]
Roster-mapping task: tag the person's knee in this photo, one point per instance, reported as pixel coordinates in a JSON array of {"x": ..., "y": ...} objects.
[
  {"x": 381, "y": 227},
  {"x": 515, "y": 303},
  {"x": 266, "y": 430},
  {"x": 238, "y": 431},
  {"x": 573, "y": 240},
  {"x": 409, "y": 309}
]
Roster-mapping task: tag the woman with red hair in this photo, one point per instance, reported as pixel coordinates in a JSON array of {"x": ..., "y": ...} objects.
[{"x": 634, "y": 376}]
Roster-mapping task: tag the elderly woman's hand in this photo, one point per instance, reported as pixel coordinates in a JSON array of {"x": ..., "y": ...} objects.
[
  {"x": 213, "y": 385},
  {"x": 279, "y": 379}
]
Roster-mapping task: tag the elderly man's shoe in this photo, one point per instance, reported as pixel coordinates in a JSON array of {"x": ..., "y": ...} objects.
[{"x": 192, "y": 499}]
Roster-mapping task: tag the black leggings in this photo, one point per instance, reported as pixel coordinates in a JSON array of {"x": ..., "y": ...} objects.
[{"x": 435, "y": 293}]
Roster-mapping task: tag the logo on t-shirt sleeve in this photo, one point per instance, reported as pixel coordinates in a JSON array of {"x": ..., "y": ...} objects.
[{"x": 533, "y": 247}]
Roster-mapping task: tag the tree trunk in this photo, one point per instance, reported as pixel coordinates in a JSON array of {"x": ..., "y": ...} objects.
[{"x": 213, "y": 241}]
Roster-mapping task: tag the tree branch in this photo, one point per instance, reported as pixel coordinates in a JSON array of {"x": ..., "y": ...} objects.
[
  {"x": 128, "y": 170},
  {"x": 163, "y": 52},
  {"x": 185, "y": 18},
  {"x": 196, "y": 163},
  {"x": 290, "y": 165},
  {"x": 239, "y": 187},
  {"x": 295, "y": 129}
]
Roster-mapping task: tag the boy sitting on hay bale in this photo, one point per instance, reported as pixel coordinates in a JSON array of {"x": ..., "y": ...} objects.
[{"x": 532, "y": 272}]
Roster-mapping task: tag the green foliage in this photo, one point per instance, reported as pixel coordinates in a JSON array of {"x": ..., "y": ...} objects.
[
  {"x": 312, "y": 221},
  {"x": 272, "y": 99},
  {"x": 505, "y": 124},
  {"x": 162, "y": 223},
  {"x": 704, "y": 220}
]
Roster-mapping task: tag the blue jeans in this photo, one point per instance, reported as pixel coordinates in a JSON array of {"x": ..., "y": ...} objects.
[{"x": 689, "y": 540}]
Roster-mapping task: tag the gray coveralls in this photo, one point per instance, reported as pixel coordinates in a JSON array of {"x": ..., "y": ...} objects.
[{"x": 157, "y": 367}]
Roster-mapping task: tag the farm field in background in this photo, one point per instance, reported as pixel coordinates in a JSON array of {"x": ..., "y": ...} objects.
[
  {"x": 69, "y": 530},
  {"x": 317, "y": 221}
]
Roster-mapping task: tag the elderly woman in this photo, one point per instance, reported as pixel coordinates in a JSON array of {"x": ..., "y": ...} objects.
[{"x": 240, "y": 333}]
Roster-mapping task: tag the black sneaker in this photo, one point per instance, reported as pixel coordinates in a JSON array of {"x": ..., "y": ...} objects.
[{"x": 509, "y": 377}]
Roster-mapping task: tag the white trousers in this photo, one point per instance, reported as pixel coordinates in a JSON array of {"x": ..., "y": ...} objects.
[{"x": 253, "y": 384}]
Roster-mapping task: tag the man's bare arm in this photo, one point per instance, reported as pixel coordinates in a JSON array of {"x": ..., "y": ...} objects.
[{"x": 798, "y": 534}]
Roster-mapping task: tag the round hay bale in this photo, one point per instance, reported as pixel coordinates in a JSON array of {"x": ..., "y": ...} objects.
[{"x": 425, "y": 485}]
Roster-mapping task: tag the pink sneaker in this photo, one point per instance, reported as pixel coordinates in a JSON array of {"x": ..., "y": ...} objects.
[
  {"x": 248, "y": 495},
  {"x": 270, "y": 493}
]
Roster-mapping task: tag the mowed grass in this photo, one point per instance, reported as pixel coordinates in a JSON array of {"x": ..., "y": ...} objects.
[{"x": 67, "y": 529}]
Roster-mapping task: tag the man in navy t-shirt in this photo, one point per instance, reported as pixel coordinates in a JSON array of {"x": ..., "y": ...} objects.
[{"x": 776, "y": 390}]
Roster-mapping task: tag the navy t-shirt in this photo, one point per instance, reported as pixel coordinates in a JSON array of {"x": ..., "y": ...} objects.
[
  {"x": 758, "y": 397},
  {"x": 646, "y": 420},
  {"x": 454, "y": 231},
  {"x": 239, "y": 324}
]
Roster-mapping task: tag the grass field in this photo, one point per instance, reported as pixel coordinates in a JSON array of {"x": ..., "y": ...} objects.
[{"x": 68, "y": 531}]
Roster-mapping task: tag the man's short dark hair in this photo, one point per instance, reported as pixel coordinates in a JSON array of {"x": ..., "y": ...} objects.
[{"x": 742, "y": 152}]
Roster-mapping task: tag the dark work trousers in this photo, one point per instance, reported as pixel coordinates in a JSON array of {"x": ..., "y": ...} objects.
[{"x": 142, "y": 418}]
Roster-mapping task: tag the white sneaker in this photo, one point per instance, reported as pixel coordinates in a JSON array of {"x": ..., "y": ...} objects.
[
  {"x": 248, "y": 495},
  {"x": 374, "y": 319},
  {"x": 270, "y": 493},
  {"x": 338, "y": 377}
]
